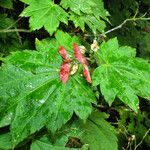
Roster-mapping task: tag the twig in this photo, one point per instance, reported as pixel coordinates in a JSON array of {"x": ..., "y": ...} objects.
[
  {"x": 142, "y": 139},
  {"x": 14, "y": 30},
  {"x": 19, "y": 37},
  {"x": 117, "y": 27},
  {"x": 14, "y": 23},
  {"x": 122, "y": 24}
]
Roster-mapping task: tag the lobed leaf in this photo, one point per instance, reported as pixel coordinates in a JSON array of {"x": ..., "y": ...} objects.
[
  {"x": 44, "y": 13},
  {"x": 120, "y": 74},
  {"x": 95, "y": 133},
  {"x": 98, "y": 133},
  {"x": 78, "y": 6},
  {"x": 94, "y": 23},
  {"x": 32, "y": 95}
]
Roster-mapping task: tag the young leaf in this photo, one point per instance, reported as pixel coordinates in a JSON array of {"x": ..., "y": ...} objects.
[
  {"x": 65, "y": 66},
  {"x": 33, "y": 93},
  {"x": 44, "y": 13},
  {"x": 120, "y": 74}
]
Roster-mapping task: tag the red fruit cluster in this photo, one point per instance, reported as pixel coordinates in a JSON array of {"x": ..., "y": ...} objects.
[{"x": 66, "y": 65}]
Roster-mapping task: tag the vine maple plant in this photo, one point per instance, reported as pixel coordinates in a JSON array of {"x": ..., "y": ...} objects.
[{"x": 48, "y": 95}]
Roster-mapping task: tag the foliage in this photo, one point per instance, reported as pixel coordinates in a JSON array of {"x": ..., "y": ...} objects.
[
  {"x": 121, "y": 75},
  {"x": 84, "y": 131},
  {"x": 132, "y": 34},
  {"x": 50, "y": 15},
  {"x": 134, "y": 126},
  {"x": 44, "y": 13},
  {"x": 49, "y": 100},
  {"x": 6, "y": 4}
]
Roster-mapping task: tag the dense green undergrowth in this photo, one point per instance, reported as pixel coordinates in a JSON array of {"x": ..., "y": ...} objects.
[{"x": 40, "y": 111}]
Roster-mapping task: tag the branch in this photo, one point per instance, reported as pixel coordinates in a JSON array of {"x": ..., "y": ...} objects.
[
  {"x": 123, "y": 23},
  {"x": 14, "y": 23},
  {"x": 14, "y": 30},
  {"x": 142, "y": 139}
]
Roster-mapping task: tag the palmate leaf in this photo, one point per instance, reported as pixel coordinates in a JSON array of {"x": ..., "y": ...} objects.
[
  {"x": 89, "y": 12},
  {"x": 121, "y": 74},
  {"x": 89, "y": 19},
  {"x": 44, "y": 13},
  {"x": 98, "y": 133},
  {"x": 79, "y": 6},
  {"x": 32, "y": 95},
  {"x": 94, "y": 134}
]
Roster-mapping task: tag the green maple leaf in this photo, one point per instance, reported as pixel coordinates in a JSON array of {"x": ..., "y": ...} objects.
[
  {"x": 90, "y": 12},
  {"x": 78, "y": 6},
  {"x": 93, "y": 22},
  {"x": 32, "y": 95},
  {"x": 98, "y": 133},
  {"x": 99, "y": 10},
  {"x": 95, "y": 134},
  {"x": 44, "y": 13},
  {"x": 121, "y": 74}
]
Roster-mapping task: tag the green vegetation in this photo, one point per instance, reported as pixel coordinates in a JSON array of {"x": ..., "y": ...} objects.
[{"x": 55, "y": 95}]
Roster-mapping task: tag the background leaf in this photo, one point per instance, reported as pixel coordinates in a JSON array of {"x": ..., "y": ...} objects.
[
  {"x": 44, "y": 13},
  {"x": 90, "y": 12},
  {"x": 6, "y": 4}
]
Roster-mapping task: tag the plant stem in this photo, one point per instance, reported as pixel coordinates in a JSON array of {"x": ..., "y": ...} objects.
[
  {"x": 123, "y": 23},
  {"x": 142, "y": 139},
  {"x": 14, "y": 30}
]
